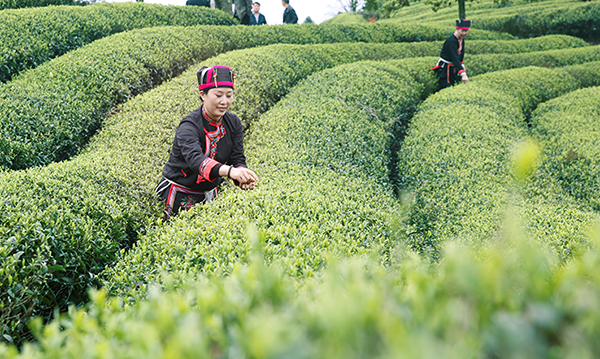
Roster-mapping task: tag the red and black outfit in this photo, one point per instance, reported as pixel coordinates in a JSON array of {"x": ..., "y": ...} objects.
[
  {"x": 450, "y": 65},
  {"x": 201, "y": 146}
]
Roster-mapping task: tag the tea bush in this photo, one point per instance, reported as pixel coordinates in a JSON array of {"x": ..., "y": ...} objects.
[
  {"x": 503, "y": 299},
  {"x": 575, "y": 18},
  {"x": 568, "y": 171},
  {"x": 50, "y": 112},
  {"x": 30, "y": 37},
  {"x": 122, "y": 164},
  {"x": 17, "y": 4},
  {"x": 456, "y": 158},
  {"x": 484, "y": 9},
  {"x": 569, "y": 131},
  {"x": 581, "y": 20}
]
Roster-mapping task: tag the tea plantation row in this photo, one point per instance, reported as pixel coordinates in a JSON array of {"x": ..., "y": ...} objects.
[
  {"x": 455, "y": 158},
  {"x": 81, "y": 212},
  {"x": 65, "y": 222},
  {"x": 30, "y": 37},
  {"x": 516, "y": 301},
  {"x": 566, "y": 182},
  {"x": 50, "y": 112},
  {"x": 17, "y": 4},
  {"x": 576, "y": 18}
]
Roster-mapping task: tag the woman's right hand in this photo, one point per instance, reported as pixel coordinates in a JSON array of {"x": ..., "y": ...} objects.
[{"x": 245, "y": 177}]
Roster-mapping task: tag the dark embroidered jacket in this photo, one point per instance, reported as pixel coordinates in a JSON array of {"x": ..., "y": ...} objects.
[
  {"x": 200, "y": 149},
  {"x": 454, "y": 51}
]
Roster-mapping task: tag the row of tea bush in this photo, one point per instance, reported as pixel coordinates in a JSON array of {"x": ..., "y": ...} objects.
[
  {"x": 455, "y": 160},
  {"x": 566, "y": 183},
  {"x": 30, "y": 37},
  {"x": 575, "y": 18},
  {"x": 79, "y": 213},
  {"x": 50, "y": 112},
  {"x": 18, "y": 4},
  {"x": 505, "y": 298}
]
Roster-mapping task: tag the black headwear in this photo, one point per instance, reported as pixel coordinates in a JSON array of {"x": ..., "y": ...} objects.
[
  {"x": 463, "y": 24},
  {"x": 213, "y": 77}
]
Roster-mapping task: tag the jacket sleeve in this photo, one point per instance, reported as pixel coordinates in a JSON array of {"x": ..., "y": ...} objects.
[{"x": 188, "y": 139}]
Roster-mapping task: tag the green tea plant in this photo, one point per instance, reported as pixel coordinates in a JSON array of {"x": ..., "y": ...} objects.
[
  {"x": 568, "y": 128},
  {"x": 566, "y": 183},
  {"x": 50, "y": 112},
  {"x": 30, "y": 37},
  {"x": 454, "y": 159},
  {"x": 17, "y": 4},
  {"x": 83, "y": 230},
  {"x": 534, "y": 19},
  {"x": 507, "y": 298}
]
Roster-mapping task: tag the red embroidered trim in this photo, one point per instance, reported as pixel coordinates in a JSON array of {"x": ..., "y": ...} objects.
[
  {"x": 204, "y": 170},
  {"x": 210, "y": 120},
  {"x": 211, "y": 140}
]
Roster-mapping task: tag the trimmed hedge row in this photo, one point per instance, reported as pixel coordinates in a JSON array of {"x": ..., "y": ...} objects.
[
  {"x": 581, "y": 19},
  {"x": 120, "y": 166},
  {"x": 67, "y": 234},
  {"x": 568, "y": 174},
  {"x": 421, "y": 11},
  {"x": 569, "y": 129},
  {"x": 30, "y": 37},
  {"x": 167, "y": 247},
  {"x": 455, "y": 159},
  {"x": 50, "y": 112},
  {"x": 312, "y": 152},
  {"x": 17, "y": 4},
  {"x": 503, "y": 299}
]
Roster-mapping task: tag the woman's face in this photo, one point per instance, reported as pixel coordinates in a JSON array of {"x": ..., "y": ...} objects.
[{"x": 217, "y": 101}]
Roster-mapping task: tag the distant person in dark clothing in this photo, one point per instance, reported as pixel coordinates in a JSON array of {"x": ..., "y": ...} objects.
[
  {"x": 198, "y": 2},
  {"x": 243, "y": 10},
  {"x": 450, "y": 68},
  {"x": 256, "y": 18},
  {"x": 289, "y": 14}
]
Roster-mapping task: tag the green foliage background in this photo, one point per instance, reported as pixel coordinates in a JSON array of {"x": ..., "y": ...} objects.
[{"x": 391, "y": 220}]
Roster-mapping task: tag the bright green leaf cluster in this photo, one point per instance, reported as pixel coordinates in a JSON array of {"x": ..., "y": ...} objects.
[{"x": 502, "y": 299}]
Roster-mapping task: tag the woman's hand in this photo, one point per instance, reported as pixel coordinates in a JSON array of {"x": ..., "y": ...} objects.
[{"x": 245, "y": 177}]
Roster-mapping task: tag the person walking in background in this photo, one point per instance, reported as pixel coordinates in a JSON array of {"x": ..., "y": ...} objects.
[
  {"x": 450, "y": 68},
  {"x": 256, "y": 18},
  {"x": 243, "y": 9},
  {"x": 208, "y": 145},
  {"x": 289, "y": 14}
]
